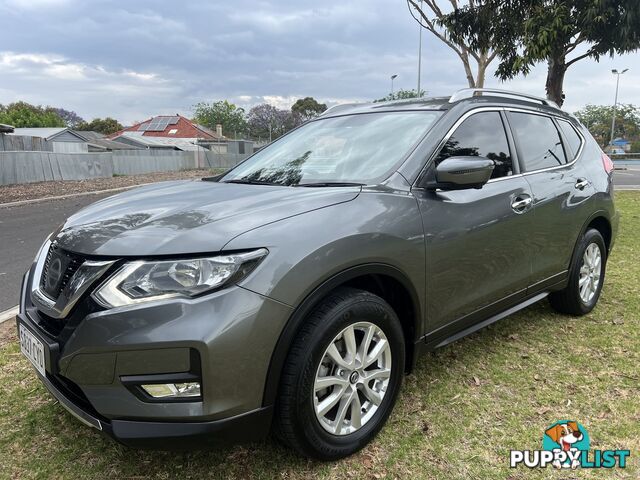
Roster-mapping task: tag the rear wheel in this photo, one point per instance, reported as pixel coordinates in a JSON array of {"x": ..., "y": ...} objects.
[
  {"x": 586, "y": 277},
  {"x": 342, "y": 376}
]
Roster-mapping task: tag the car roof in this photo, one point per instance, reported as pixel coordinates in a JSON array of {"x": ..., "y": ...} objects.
[{"x": 468, "y": 95}]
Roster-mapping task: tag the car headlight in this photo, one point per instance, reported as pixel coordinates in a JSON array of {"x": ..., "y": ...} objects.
[{"x": 144, "y": 281}]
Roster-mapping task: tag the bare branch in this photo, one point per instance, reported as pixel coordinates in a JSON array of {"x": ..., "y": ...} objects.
[{"x": 579, "y": 57}]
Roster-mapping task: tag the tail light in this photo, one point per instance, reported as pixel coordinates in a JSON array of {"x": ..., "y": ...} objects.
[{"x": 607, "y": 163}]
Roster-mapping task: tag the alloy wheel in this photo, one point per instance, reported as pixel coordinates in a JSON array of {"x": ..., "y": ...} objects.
[
  {"x": 352, "y": 378},
  {"x": 590, "y": 272}
]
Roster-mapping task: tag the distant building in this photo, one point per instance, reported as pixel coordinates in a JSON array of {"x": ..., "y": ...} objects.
[
  {"x": 622, "y": 143},
  {"x": 174, "y": 132},
  {"x": 97, "y": 142},
  {"x": 61, "y": 139}
]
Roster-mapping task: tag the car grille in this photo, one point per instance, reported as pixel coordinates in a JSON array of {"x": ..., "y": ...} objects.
[{"x": 59, "y": 267}]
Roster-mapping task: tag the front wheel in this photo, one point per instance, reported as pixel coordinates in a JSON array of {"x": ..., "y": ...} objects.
[
  {"x": 586, "y": 277},
  {"x": 342, "y": 376}
]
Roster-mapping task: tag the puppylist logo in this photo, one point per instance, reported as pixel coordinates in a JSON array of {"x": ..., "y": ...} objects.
[{"x": 565, "y": 444}]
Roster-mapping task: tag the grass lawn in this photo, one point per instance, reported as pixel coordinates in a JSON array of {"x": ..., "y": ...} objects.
[{"x": 457, "y": 417}]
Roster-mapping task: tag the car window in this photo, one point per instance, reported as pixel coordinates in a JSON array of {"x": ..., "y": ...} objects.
[
  {"x": 362, "y": 148},
  {"x": 571, "y": 135},
  {"x": 538, "y": 139},
  {"x": 483, "y": 135}
]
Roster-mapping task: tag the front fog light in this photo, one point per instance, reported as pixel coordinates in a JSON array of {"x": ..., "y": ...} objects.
[{"x": 173, "y": 390}]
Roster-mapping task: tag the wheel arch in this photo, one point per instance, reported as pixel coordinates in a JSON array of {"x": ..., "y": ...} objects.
[
  {"x": 600, "y": 221},
  {"x": 383, "y": 280}
]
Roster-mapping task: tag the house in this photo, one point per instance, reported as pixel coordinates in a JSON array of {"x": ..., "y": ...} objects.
[
  {"x": 173, "y": 132},
  {"x": 58, "y": 139},
  {"x": 625, "y": 145},
  {"x": 97, "y": 142}
]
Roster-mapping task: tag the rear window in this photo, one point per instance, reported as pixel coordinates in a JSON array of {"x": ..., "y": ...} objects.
[
  {"x": 573, "y": 139},
  {"x": 539, "y": 141}
]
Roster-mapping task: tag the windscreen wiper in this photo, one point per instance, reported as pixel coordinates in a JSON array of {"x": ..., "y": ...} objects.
[
  {"x": 330, "y": 184},
  {"x": 252, "y": 182}
]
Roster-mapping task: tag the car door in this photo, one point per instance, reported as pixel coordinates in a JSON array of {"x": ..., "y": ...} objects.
[
  {"x": 477, "y": 252},
  {"x": 561, "y": 196}
]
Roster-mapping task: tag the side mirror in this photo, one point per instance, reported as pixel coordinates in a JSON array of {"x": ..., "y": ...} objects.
[{"x": 457, "y": 173}]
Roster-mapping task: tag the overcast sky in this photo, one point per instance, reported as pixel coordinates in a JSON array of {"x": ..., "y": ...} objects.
[{"x": 134, "y": 59}]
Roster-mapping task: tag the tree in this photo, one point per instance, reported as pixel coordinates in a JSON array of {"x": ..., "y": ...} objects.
[
  {"x": 597, "y": 118},
  {"x": 475, "y": 47},
  {"x": 106, "y": 126},
  {"x": 267, "y": 121},
  {"x": 224, "y": 113},
  {"x": 307, "y": 108},
  {"x": 401, "y": 95},
  {"x": 526, "y": 32},
  {"x": 70, "y": 119},
  {"x": 25, "y": 115}
]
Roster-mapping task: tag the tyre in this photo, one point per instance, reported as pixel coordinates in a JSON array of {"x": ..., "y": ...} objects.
[
  {"x": 341, "y": 377},
  {"x": 586, "y": 277}
]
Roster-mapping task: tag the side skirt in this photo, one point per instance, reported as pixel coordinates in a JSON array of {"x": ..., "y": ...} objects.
[{"x": 432, "y": 344}]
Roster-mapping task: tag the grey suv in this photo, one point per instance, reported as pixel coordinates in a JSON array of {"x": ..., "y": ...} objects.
[{"x": 293, "y": 293}]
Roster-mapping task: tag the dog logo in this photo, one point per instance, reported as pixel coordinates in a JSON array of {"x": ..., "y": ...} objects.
[
  {"x": 566, "y": 437},
  {"x": 566, "y": 444}
]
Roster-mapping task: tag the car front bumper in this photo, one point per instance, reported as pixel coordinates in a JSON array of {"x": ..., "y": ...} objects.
[{"x": 226, "y": 337}]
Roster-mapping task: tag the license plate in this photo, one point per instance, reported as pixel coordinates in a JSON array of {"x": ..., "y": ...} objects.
[{"x": 33, "y": 349}]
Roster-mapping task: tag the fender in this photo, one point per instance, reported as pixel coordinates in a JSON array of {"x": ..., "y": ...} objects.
[
  {"x": 296, "y": 319},
  {"x": 591, "y": 218}
]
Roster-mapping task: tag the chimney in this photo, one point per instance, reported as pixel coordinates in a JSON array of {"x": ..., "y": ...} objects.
[{"x": 219, "y": 130}]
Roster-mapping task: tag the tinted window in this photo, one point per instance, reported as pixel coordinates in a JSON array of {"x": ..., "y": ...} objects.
[
  {"x": 482, "y": 134},
  {"x": 539, "y": 141},
  {"x": 571, "y": 135}
]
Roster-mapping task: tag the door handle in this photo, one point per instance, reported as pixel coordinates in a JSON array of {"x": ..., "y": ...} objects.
[
  {"x": 521, "y": 204},
  {"x": 582, "y": 183}
]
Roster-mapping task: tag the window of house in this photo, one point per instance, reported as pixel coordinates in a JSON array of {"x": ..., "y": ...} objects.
[
  {"x": 481, "y": 135},
  {"x": 539, "y": 141},
  {"x": 173, "y": 131}
]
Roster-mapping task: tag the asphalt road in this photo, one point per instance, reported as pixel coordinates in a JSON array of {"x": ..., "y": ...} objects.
[
  {"x": 23, "y": 229},
  {"x": 628, "y": 178}
]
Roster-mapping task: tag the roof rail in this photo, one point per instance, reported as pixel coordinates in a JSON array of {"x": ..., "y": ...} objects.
[
  {"x": 338, "y": 107},
  {"x": 477, "y": 92}
]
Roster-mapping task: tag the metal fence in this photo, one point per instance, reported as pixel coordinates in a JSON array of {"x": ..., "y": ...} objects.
[{"x": 28, "y": 167}]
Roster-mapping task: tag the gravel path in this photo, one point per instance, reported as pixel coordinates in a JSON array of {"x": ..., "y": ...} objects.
[{"x": 31, "y": 191}]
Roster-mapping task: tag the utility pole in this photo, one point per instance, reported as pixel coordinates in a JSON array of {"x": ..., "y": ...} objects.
[
  {"x": 615, "y": 103},
  {"x": 393, "y": 77},
  {"x": 419, "y": 53}
]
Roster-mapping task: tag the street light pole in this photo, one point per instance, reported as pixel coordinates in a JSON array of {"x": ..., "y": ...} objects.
[
  {"x": 615, "y": 103},
  {"x": 392, "y": 78},
  {"x": 419, "y": 53}
]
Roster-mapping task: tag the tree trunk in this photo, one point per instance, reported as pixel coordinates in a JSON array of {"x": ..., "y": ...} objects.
[
  {"x": 464, "y": 56},
  {"x": 482, "y": 70},
  {"x": 555, "y": 78}
]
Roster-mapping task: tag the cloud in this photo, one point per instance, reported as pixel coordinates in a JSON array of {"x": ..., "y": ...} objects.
[{"x": 131, "y": 60}]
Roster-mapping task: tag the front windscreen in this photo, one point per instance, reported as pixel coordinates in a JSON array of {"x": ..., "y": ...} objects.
[{"x": 360, "y": 148}]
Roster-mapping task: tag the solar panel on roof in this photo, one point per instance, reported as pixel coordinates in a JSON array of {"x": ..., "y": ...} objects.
[{"x": 143, "y": 127}]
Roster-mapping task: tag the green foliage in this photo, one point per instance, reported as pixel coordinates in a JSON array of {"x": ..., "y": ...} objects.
[
  {"x": 231, "y": 117},
  {"x": 597, "y": 118},
  {"x": 25, "y": 115},
  {"x": 307, "y": 108},
  {"x": 402, "y": 95},
  {"x": 526, "y": 32},
  {"x": 106, "y": 126}
]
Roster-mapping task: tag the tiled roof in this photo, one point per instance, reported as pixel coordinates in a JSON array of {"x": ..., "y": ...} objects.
[{"x": 170, "y": 126}]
